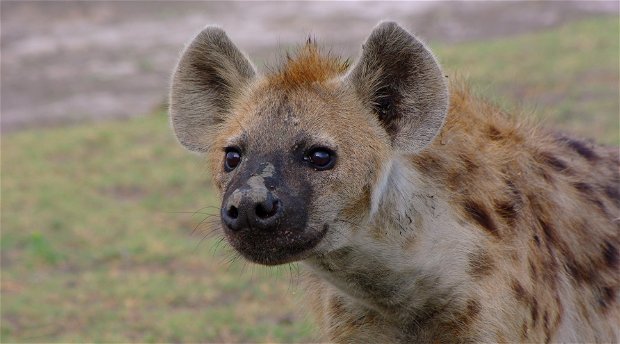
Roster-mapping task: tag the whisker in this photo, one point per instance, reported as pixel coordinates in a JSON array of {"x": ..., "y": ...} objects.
[
  {"x": 200, "y": 242},
  {"x": 189, "y": 212},
  {"x": 231, "y": 260},
  {"x": 201, "y": 222},
  {"x": 215, "y": 247},
  {"x": 244, "y": 266},
  {"x": 290, "y": 272}
]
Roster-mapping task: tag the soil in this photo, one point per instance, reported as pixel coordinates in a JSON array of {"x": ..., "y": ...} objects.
[{"x": 68, "y": 62}]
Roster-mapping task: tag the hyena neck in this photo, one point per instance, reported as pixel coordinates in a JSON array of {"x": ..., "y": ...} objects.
[{"x": 395, "y": 263}]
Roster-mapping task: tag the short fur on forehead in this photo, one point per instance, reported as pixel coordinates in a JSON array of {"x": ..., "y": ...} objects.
[{"x": 307, "y": 66}]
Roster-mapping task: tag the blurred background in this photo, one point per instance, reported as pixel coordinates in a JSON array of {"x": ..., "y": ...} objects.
[{"x": 105, "y": 219}]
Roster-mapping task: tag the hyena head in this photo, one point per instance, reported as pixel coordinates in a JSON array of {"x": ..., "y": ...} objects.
[{"x": 299, "y": 155}]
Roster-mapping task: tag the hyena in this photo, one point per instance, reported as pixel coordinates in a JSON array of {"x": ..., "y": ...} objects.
[{"x": 422, "y": 213}]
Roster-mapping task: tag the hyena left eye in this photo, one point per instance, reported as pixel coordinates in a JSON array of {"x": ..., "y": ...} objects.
[
  {"x": 232, "y": 159},
  {"x": 321, "y": 158}
]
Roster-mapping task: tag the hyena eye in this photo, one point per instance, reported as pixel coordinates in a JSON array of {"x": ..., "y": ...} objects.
[
  {"x": 321, "y": 158},
  {"x": 232, "y": 159}
]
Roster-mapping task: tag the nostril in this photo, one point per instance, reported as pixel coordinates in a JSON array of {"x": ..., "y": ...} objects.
[
  {"x": 232, "y": 212},
  {"x": 267, "y": 209}
]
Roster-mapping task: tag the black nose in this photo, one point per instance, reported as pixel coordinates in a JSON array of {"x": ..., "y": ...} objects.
[{"x": 249, "y": 210}]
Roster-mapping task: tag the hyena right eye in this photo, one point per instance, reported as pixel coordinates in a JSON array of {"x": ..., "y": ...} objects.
[
  {"x": 232, "y": 159},
  {"x": 321, "y": 158}
]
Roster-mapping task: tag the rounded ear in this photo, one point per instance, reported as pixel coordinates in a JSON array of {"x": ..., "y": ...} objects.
[
  {"x": 210, "y": 74},
  {"x": 399, "y": 79}
]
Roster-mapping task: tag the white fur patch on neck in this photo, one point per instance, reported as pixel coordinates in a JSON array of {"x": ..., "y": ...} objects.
[
  {"x": 397, "y": 191},
  {"x": 381, "y": 187},
  {"x": 395, "y": 187}
]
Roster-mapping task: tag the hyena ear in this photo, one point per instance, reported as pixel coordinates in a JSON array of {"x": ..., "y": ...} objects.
[
  {"x": 211, "y": 73},
  {"x": 400, "y": 80}
]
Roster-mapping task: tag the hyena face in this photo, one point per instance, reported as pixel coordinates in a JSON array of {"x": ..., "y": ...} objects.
[
  {"x": 287, "y": 173},
  {"x": 300, "y": 156}
]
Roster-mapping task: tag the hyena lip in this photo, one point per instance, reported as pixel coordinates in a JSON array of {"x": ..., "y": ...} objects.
[{"x": 276, "y": 247}]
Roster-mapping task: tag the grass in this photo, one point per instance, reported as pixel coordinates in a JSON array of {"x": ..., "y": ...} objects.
[
  {"x": 95, "y": 246},
  {"x": 568, "y": 76}
]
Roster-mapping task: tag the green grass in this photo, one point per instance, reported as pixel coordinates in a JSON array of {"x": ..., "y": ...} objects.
[
  {"x": 568, "y": 76},
  {"x": 94, "y": 247}
]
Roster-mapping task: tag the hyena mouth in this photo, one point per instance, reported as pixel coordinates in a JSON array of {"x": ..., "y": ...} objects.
[
  {"x": 265, "y": 215},
  {"x": 275, "y": 247}
]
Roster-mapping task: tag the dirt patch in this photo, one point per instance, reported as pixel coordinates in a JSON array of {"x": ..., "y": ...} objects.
[{"x": 67, "y": 62}]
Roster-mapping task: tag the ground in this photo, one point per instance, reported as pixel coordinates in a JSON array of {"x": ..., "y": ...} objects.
[
  {"x": 102, "y": 234},
  {"x": 67, "y": 62}
]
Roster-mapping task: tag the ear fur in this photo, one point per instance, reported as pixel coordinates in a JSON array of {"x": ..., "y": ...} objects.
[
  {"x": 401, "y": 81},
  {"x": 210, "y": 74}
]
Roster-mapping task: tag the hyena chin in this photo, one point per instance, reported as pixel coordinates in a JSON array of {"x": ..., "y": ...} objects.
[{"x": 422, "y": 214}]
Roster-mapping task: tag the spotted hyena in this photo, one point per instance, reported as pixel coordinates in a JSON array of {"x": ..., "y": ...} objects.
[{"x": 421, "y": 212}]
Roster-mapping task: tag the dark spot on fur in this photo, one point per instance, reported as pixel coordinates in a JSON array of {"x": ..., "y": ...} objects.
[
  {"x": 427, "y": 164},
  {"x": 545, "y": 175},
  {"x": 507, "y": 211},
  {"x": 326, "y": 266},
  {"x": 607, "y": 297},
  {"x": 560, "y": 311},
  {"x": 473, "y": 308},
  {"x": 515, "y": 256},
  {"x": 335, "y": 256},
  {"x": 588, "y": 192},
  {"x": 480, "y": 264},
  {"x": 336, "y": 306},
  {"x": 427, "y": 312},
  {"x": 534, "y": 311},
  {"x": 524, "y": 330},
  {"x": 494, "y": 133},
  {"x": 514, "y": 193},
  {"x": 580, "y": 147},
  {"x": 548, "y": 230},
  {"x": 384, "y": 291},
  {"x": 583, "y": 188},
  {"x": 512, "y": 188},
  {"x": 600, "y": 205},
  {"x": 613, "y": 192},
  {"x": 479, "y": 214},
  {"x": 554, "y": 162},
  {"x": 549, "y": 271},
  {"x": 536, "y": 240},
  {"x": 610, "y": 252},
  {"x": 462, "y": 320},
  {"x": 579, "y": 272},
  {"x": 468, "y": 163},
  {"x": 520, "y": 293},
  {"x": 546, "y": 327},
  {"x": 533, "y": 271},
  {"x": 552, "y": 241},
  {"x": 615, "y": 174}
]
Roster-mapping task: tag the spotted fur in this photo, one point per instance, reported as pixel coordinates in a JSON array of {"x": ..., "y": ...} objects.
[{"x": 444, "y": 219}]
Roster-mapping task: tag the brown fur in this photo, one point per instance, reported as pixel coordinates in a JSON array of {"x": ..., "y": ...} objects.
[{"x": 306, "y": 67}]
